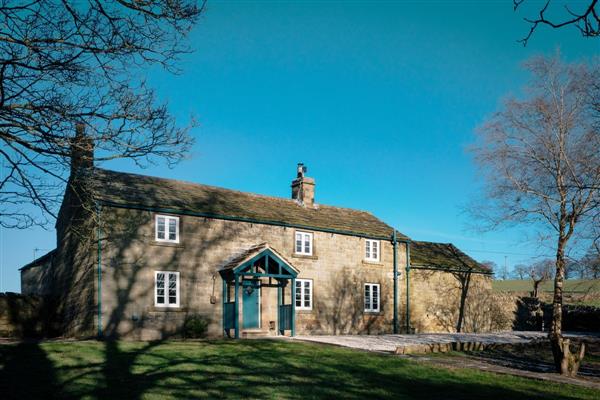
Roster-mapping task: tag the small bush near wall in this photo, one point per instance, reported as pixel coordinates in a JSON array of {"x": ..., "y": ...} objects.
[{"x": 195, "y": 327}]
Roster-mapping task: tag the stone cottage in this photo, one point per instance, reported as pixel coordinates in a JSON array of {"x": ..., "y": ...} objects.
[{"x": 137, "y": 255}]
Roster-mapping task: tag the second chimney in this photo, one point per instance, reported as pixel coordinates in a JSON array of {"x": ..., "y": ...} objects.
[
  {"x": 82, "y": 151},
  {"x": 303, "y": 187}
]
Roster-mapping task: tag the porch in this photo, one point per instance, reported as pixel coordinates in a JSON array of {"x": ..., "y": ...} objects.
[{"x": 249, "y": 279}]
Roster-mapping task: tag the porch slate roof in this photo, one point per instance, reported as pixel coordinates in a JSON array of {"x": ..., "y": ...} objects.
[
  {"x": 443, "y": 256},
  {"x": 250, "y": 253},
  {"x": 120, "y": 188}
]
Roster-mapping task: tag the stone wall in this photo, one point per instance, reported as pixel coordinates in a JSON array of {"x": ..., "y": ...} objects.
[
  {"x": 26, "y": 316},
  {"x": 576, "y": 318},
  {"x": 37, "y": 280},
  {"x": 131, "y": 256},
  {"x": 534, "y": 315},
  {"x": 435, "y": 303}
]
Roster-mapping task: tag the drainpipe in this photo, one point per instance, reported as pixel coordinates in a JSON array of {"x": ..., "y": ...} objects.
[
  {"x": 395, "y": 244},
  {"x": 407, "y": 287},
  {"x": 98, "y": 233}
]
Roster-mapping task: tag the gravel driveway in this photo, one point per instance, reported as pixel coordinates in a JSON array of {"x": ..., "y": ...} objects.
[{"x": 389, "y": 343}]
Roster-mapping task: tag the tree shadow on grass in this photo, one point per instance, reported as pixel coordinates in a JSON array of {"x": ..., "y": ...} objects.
[
  {"x": 539, "y": 358},
  {"x": 26, "y": 372},
  {"x": 241, "y": 369}
]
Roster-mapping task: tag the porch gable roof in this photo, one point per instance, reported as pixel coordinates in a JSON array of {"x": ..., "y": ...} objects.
[{"x": 248, "y": 257}]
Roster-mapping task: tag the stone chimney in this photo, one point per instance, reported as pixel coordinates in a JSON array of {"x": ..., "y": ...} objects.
[
  {"x": 82, "y": 151},
  {"x": 303, "y": 187}
]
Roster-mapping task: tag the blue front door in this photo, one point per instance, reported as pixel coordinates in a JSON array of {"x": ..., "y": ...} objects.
[{"x": 251, "y": 304}]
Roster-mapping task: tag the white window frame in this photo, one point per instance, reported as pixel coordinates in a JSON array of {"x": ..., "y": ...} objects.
[
  {"x": 303, "y": 284},
  {"x": 304, "y": 236},
  {"x": 167, "y": 232},
  {"x": 166, "y": 304},
  {"x": 370, "y": 308},
  {"x": 369, "y": 246}
]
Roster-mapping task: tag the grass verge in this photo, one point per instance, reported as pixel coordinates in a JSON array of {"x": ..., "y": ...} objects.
[{"x": 245, "y": 369}]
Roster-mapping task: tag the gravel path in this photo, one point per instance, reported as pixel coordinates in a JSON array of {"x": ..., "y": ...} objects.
[{"x": 388, "y": 343}]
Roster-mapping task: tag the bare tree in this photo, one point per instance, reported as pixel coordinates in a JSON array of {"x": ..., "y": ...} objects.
[
  {"x": 521, "y": 271},
  {"x": 540, "y": 272},
  {"x": 589, "y": 265},
  {"x": 541, "y": 164},
  {"x": 492, "y": 266},
  {"x": 586, "y": 18},
  {"x": 65, "y": 64}
]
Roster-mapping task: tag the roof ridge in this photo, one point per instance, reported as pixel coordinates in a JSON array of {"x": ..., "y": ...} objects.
[{"x": 318, "y": 205}]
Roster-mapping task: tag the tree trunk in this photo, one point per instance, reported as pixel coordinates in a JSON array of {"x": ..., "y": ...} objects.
[
  {"x": 464, "y": 283},
  {"x": 565, "y": 362},
  {"x": 536, "y": 286}
]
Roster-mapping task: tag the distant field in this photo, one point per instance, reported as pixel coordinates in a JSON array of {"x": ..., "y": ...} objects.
[{"x": 573, "y": 286}]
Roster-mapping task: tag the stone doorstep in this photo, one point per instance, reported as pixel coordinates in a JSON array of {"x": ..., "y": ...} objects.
[{"x": 254, "y": 333}]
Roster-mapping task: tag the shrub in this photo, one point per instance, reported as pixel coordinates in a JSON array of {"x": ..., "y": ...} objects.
[{"x": 195, "y": 327}]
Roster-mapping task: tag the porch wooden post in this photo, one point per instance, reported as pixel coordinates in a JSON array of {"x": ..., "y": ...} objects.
[
  {"x": 293, "y": 296},
  {"x": 279, "y": 307},
  {"x": 236, "y": 322}
]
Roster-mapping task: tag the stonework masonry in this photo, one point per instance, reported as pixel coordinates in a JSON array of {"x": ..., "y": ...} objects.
[
  {"x": 101, "y": 276},
  {"x": 130, "y": 255},
  {"x": 337, "y": 269}
]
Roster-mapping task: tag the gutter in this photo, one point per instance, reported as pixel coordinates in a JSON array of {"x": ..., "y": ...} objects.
[{"x": 430, "y": 268}]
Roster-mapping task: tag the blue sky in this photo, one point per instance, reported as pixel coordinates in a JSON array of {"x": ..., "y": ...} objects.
[{"x": 378, "y": 99}]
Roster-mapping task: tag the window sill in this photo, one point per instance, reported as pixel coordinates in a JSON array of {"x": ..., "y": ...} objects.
[
  {"x": 373, "y": 263},
  {"x": 306, "y": 256},
  {"x": 304, "y": 310},
  {"x": 167, "y": 309},
  {"x": 166, "y": 244},
  {"x": 372, "y": 313}
]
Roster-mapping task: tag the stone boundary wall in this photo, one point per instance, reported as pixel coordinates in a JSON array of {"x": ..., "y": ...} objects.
[
  {"x": 576, "y": 318},
  {"x": 532, "y": 314},
  {"x": 26, "y": 316},
  {"x": 435, "y": 303},
  {"x": 468, "y": 346}
]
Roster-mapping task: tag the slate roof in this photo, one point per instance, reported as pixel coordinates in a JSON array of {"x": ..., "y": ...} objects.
[
  {"x": 39, "y": 261},
  {"x": 251, "y": 252},
  {"x": 443, "y": 256},
  {"x": 119, "y": 188}
]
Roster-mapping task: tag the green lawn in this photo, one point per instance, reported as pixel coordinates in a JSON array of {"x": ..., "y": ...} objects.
[
  {"x": 570, "y": 285},
  {"x": 245, "y": 369}
]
